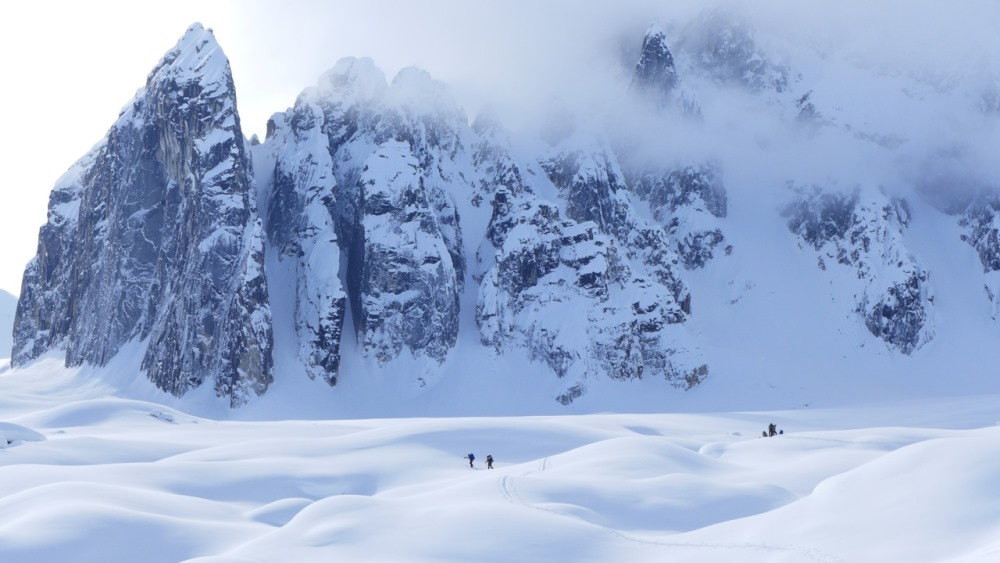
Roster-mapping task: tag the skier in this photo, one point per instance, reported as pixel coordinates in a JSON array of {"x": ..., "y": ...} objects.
[
  {"x": 489, "y": 461},
  {"x": 471, "y": 458},
  {"x": 772, "y": 429}
]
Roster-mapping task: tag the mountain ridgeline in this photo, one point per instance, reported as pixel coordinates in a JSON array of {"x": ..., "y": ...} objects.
[{"x": 399, "y": 222}]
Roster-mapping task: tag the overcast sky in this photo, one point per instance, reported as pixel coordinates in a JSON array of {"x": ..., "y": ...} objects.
[{"x": 69, "y": 67}]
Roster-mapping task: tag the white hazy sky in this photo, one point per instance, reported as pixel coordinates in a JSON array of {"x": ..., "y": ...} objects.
[{"x": 69, "y": 67}]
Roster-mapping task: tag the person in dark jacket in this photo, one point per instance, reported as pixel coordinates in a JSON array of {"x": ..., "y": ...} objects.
[{"x": 489, "y": 461}]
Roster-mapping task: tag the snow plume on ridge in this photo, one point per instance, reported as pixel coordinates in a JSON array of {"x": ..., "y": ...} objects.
[{"x": 154, "y": 235}]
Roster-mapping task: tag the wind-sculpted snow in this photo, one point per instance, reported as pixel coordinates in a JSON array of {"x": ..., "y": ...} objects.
[
  {"x": 863, "y": 230},
  {"x": 154, "y": 235},
  {"x": 93, "y": 478}
]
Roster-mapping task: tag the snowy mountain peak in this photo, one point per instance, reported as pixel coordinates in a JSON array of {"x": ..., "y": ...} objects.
[
  {"x": 655, "y": 70},
  {"x": 164, "y": 246},
  {"x": 197, "y": 56},
  {"x": 397, "y": 244},
  {"x": 354, "y": 80}
]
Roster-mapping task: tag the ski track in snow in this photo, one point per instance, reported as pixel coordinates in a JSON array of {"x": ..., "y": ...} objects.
[{"x": 87, "y": 476}]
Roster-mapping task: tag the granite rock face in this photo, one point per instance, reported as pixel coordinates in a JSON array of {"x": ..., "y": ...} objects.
[
  {"x": 301, "y": 227},
  {"x": 381, "y": 160},
  {"x": 377, "y": 221},
  {"x": 155, "y": 235}
]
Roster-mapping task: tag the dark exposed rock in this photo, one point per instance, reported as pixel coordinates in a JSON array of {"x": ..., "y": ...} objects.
[
  {"x": 154, "y": 235},
  {"x": 863, "y": 231},
  {"x": 983, "y": 230},
  {"x": 685, "y": 200},
  {"x": 301, "y": 226},
  {"x": 401, "y": 276},
  {"x": 655, "y": 71}
]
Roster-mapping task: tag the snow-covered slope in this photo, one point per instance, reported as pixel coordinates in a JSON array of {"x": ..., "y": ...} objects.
[
  {"x": 8, "y": 306},
  {"x": 740, "y": 214},
  {"x": 93, "y": 478}
]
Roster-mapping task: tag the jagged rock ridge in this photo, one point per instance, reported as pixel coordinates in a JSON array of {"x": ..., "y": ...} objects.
[{"x": 388, "y": 214}]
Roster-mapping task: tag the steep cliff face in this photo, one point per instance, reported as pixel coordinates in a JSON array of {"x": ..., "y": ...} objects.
[
  {"x": 863, "y": 230},
  {"x": 655, "y": 70},
  {"x": 686, "y": 198},
  {"x": 564, "y": 291},
  {"x": 154, "y": 235},
  {"x": 590, "y": 251},
  {"x": 301, "y": 227},
  {"x": 655, "y": 75},
  {"x": 689, "y": 202},
  {"x": 405, "y": 278},
  {"x": 980, "y": 222},
  {"x": 602, "y": 278},
  {"x": 377, "y": 169}
]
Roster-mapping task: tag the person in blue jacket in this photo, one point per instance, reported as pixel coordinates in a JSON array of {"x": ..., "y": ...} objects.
[{"x": 471, "y": 458}]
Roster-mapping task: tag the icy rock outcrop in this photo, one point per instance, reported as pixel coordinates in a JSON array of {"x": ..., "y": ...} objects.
[
  {"x": 686, "y": 199},
  {"x": 383, "y": 162},
  {"x": 154, "y": 235},
  {"x": 689, "y": 202},
  {"x": 655, "y": 75},
  {"x": 590, "y": 180},
  {"x": 406, "y": 284},
  {"x": 655, "y": 70},
  {"x": 863, "y": 230},
  {"x": 301, "y": 226},
  {"x": 563, "y": 290},
  {"x": 596, "y": 291},
  {"x": 981, "y": 222}
]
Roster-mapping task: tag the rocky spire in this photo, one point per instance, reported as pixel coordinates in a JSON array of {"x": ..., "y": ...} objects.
[
  {"x": 655, "y": 71},
  {"x": 153, "y": 236}
]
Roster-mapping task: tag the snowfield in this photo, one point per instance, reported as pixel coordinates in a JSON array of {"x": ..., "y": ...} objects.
[{"x": 87, "y": 476}]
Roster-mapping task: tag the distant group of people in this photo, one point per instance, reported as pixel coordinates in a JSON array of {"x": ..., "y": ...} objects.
[
  {"x": 489, "y": 460},
  {"x": 772, "y": 430}
]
